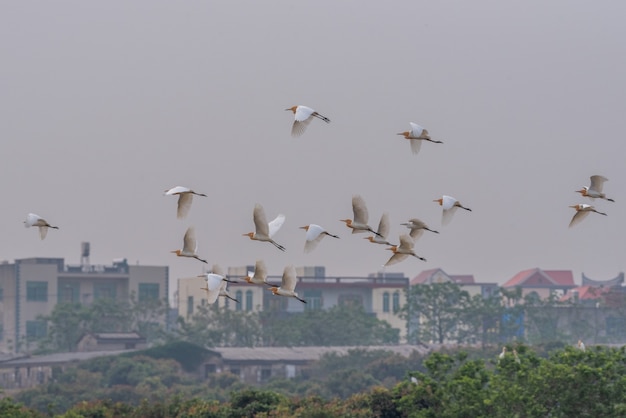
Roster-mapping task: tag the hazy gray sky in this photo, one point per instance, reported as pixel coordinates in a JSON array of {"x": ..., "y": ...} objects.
[{"x": 106, "y": 104}]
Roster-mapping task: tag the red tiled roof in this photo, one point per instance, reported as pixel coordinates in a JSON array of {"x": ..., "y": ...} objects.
[
  {"x": 562, "y": 277},
  {"x": 558, "y": 277},
  {"x": 586, "y": 293}
]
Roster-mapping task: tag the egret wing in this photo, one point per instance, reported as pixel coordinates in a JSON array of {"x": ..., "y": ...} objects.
[
  {"x": 383, "y": 225},
  {"x": 260, "y": 271},
  {"x": 578, "y": 217},
  {"x": 189, "y": 241},
  {"x": 298, "y": 128},
  {"x": 177, "y": 190},
  {"x": 43, "y": 231},
  {"x": 406, "y": 242},
  {"x": 314, "y": 235},
  {"x": 275, "y": 225},
  {"x": 396, "y": 258},
  {"x": 416, "y": 233},
  {"x": 289, "y": 279},
  {"x": 260, "y": 221},
  {"x": 597, "y": 183},
  {"x": 447, "y": 215},
  {"x": 213, "y": 284},
  {"x": 416, "y": 145},
  {"x": 184, "y": 204},
  {"x": 359, "y": 209},
  {"x": 416, "y": 130}
]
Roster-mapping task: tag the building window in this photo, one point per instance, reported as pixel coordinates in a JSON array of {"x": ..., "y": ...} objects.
[
  {"x": 248, "y": 300},
  {"x": 350, "y": 300},
  {"x": 37, "y": 291},
  {"x": 274, "y": 303},
  {"x": 189, "y": 305},
  {"x": 104, "y": 291},
  {"x": 396, "y": 302},
  {"x": 148, "y": 291},
  {"x": 1, "y": 294},
  {"x": 386, "y": 302},
  {"x": 266, "y": 373},
  {"x": 69, "y": 293},
  {"x": 35, "y": 330},
  {"x": 238, "y": 296},
  {"x": 226, "y": 303},
  {"x": 313, "y": 300},
  {"x": 235, "y": 370}
]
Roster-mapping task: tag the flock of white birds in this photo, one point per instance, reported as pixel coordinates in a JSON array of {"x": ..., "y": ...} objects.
[{"x": 216, "y": 280}]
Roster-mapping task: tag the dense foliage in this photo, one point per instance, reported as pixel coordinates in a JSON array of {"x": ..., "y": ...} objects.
[
  {"x": 523, "y": 383},
  {"x": 212, "y": 326}
]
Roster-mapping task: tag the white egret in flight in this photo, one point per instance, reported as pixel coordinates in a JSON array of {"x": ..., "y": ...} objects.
[
  {"x": 288, "y": 284},
  {"x": 314, "y": 234},
  {"x": 264, "y": 231},
  {"x": 302, "y": 116},
  {"x": 190, "y": 246},
  {"x": 185, "y": 196},
  {"x": 41, "y": 223},
  {"x": 416, "y": 135}
]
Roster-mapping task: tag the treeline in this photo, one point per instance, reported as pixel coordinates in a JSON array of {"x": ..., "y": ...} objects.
[
  {"x": 565, "y": 383},
  {"x": 435, "y": 313},
  {"x": 212, "y": 326},
  {"x": 444, "y": 312}
]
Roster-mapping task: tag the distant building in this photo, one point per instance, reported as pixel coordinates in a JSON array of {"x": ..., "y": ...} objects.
[
  {"x": 542, "y": 283},
  {"x": 609, "y": 293},
  {"x": 258, "y": 365},
  {"x": 466, "y": 281},
  {"x": 33, "y": 286},
  {"x": 111, "y": 341},
  {"x": 381, "y": 294}
]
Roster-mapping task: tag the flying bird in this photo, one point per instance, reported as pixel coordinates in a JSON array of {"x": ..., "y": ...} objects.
[
  {"x": 595, "y": 188},
  {"x": 288, "y": 284},
  {"x": 359, "y": 223},
  {"x": 382, "y": 232},
  {"x": 41, "y": 223},
  {"x": 303, "y": 115},
  {"x": 402, "y": 251},
  {"x": 265, "y": 231},
  {"x": 259, "y": 275},
  {"x": 417, "y": 228},
  {"x": 216, "y": 269},
  {"x": 185, "y": 196},
  {"x": 449, "y": 205},
  {"x": 416, "y": 135},
  {"x": 190, "y": 246},
  {"x": 582, "y": 210},
  {"x": 213, "y": 286},
  {"x": 314, "y": 234}
]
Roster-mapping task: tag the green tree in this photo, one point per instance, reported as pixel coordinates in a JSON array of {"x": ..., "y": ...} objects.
[
  {"x": 481, "y": 318},
  {"x": 339, "y": 325},
  {"x": 67, "y": 323},
  {"x": 212, "y": 326},
  {"x": 434, "y": 311}
]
